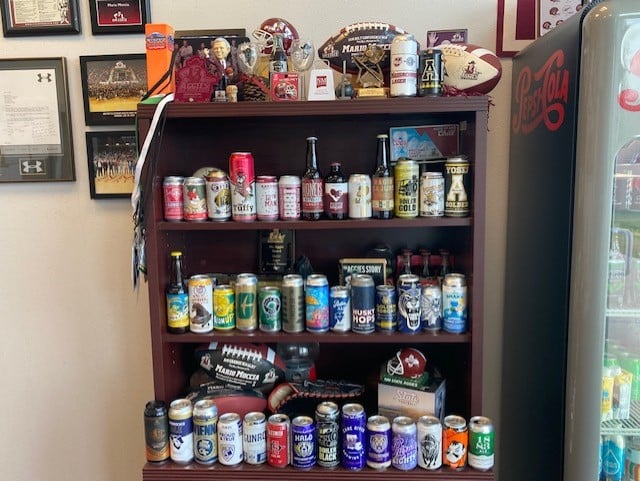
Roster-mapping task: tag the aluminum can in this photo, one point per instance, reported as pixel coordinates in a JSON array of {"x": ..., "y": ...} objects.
[
  {"x": 457, "y": 180},
  {"x": 303, "y": 442},
  {"x": 378, "y": 442},
  {"x": 289, "y": 197},
  {"x": 409, "y": 304},
  {"x": 363, "y": 304},
  {"x": 431, "y": 194},
  {"x": 481, "y": 443},
  {"x": 269, "y": 309},
  {"x": 404, "y": 66},
  {"x": 266, "y": 197},
  {"x": 431, "y": 76},
  {"x": 200, "y": 304},
  {"x": 317, "y": 303},
  {"x": 218, "y": 195},
  {"x": 407, "y": 179},
  {"x": 328, "y": 434},
  {"x": 429, "y": 442},
  {"x": 254, "y": 438},
  {"x": 404, "y": 443},
  {"x": 359, "y": 196},
  {"x": 194, "y": 199},
  {"x": 246, "y": 302},
  {"x": 386, "y": 308},
  {"x": 230, "y": 450},
  {"x": 614, "y": 457},
  {"x": 454, "y": 303},
  {"x": 353, "y": 428},
  {"x": 205, "y": 435},
  {"x": 278, "y": 440},
  {"x": 173, "y": 205},
  {"x": 181, "y": 431},
  {"x": 339, "y": 309},
  {"x": 293, "y": 308},
  {"x": 156, "y": 432},
  {"x": 455, "y": 442},
  {"x": 224, "y": 308},
  {"x": 243, "y": 186},
  {"x": 431, "y": 307}
]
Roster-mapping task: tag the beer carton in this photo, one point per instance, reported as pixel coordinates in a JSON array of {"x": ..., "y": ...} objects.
[
  {"x": 396, "y": 400},
  {"x": 424, "y": 142},
  {"x": 159, "y": 41}
]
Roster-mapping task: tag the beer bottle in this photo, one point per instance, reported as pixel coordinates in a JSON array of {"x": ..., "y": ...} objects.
[
  {"x": 425, "y": 276},
  {"x": 444, "y": 265},
  {"x": 278, "y": 59},
  {"x": 177, "y": 298},
  {"x": 220, "y": 91},
  {"x": 382, "y": 182},
  {"x": 336, "y": 193},
  {"x": 406, "y": 261},
  {"x": 312, "y": 205}
]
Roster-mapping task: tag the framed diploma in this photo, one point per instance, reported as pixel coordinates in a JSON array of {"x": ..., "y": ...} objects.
[
  {"x": 112, "y": 157},
  {"x": 123, "y": 16},
  {"x": 39, "y": 17},
  {"x": 35, "y": 124}
]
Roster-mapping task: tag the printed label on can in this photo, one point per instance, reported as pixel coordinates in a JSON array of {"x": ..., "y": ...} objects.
[
  {"x": 200, "y": 304},
  {"x": 339, "y": 309},
  {"x": 255, "y": 439},
  {"x": 409, "y": 308},
  {"x": 404, "y": 450},
  {"x": 454, "y": 309},
  {"x": 266, "y": 198},
  {"x": 246, "y": 306},
  {"x": 181, "y": 440},
  {"x": 317, "y": 308},
  {"x": 457, "y": 189},
  {"x": 431, "y": 307},
  {"x": 270, "y": 308},
  {"x": 205, "y": 439},
  {"x": 359, "y": 196},
  {"x": 406, "y": 189},
  {"x": 278, "y": 443},
  {"x": 431, "y": 195},
  {"x": 429, "y": 442},
  {"x": 303, "y": 451},
  {"x": 289, "y": 197},
  {"x": 481, "y": 450},
  {"x": 386, "y": 309},
  {"x": 218, "y": 199},
  {"x": 230, "y": 450},
  {"x": 378, "y": 443},
  {"x": 328, "y": 432},
  {"x": 353, "y": 427},
  {"x": 194, "y": 199},
  {"x": 224, "y": 308},
  {"x": 172, "y": 194},
  {"x": 156, "y": 435}
]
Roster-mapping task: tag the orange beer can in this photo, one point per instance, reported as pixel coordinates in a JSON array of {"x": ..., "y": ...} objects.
[{"x": 455, "y": 442}]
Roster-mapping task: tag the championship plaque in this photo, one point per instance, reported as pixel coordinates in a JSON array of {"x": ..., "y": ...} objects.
[{"x": 275, "y": 251}]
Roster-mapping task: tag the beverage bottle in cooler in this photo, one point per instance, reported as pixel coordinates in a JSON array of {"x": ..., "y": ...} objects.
[
  {"x": 312, "y": 191},
  {"x": 336, "y": 193},
  {"x": 382, "y": 194},
  {"x": 177, "y": 297},
  {"x": 613, "y": 457}
]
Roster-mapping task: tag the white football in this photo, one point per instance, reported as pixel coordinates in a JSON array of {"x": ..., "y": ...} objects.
[{"x": 470, "y": 69}]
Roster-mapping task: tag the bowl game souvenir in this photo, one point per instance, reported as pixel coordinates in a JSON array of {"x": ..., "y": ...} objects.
[{"x": 470, "y": 69}]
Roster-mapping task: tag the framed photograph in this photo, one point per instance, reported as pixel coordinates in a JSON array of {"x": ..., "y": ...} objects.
[
  {"x": 39, "y": 17},
  {"x": 112, "y": 157},
  {"x": 35, "y": 122},
  {"x": 191, "y": 43},
  {"x": 123, "y": 16},
  {"x": 112, "y": 86}
]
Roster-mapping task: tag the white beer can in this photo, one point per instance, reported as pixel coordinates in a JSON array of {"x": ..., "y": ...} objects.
[
  {"x": 404, "y": 66},
  {"x": 429, "y": 442}
]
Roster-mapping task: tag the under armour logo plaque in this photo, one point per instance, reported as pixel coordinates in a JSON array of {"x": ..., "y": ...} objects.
[
  {"x": 32, "y": 167},
  {"x": 46, "y": 77}
]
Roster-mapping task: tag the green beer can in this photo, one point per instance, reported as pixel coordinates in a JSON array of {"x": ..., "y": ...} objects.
[
  {"x": 481, "y": 443},
  {"x": 270, "y": 306}
]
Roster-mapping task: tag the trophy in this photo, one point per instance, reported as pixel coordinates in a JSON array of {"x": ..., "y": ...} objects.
[
  {"x": 302, "y": 54},
  {"x": 370, "y": 78}
]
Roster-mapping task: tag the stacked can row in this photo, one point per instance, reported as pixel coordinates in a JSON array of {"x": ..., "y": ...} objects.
[{"x": 334, "y": 437}]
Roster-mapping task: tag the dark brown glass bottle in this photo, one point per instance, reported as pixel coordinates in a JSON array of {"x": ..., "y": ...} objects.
[
  {"x": 445, "y": 268},
  {"x": 177, "y": 298},
  {"x": 336, "y": 193},
  {"x": 312, "y": 185},
  {"x": 382, "y": 182}
]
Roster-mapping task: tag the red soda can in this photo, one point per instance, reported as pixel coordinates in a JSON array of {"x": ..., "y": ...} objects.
[
  {"x": 243, "y": 186},
  {"x": 172, "y": 197},
  {"x": 279, "y": 440}
]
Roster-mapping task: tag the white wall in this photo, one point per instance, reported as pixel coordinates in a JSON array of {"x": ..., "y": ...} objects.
[{"x": 75, "y": 363}]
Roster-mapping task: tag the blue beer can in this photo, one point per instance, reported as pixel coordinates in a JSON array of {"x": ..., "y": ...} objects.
[
  {"x": 378, "y": 442},
  {"x": 454, "y": 304},
  {"x": 363, "y": 304},
  {"x": 317, "y": 303},
  {"x": 303, "y": 442},
  {"x": 339, "y": 309},
  {"x": 613, "y": 457},
  {"x": 353, "y": 427},
  {"x": 409, "y": 304},
  {"x": 386, "y": 309}
]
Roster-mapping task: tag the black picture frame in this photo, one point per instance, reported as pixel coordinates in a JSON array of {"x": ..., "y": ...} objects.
[
  {"x": 112, "y": 86},
  {"x": 194, "y": 39},
  {"x": 111, "y": 159},
  {"x": 44, "y": 17},
  {"x": 35, "y": 125},
  {"x": 124, "y": 16}
]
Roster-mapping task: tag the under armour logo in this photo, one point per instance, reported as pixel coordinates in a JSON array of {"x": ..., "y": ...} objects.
[
  {"x": 32, "y": 167},
  {"x": 46, "y": 77}
]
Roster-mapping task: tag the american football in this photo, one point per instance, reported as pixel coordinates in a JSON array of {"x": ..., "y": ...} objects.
[
  {"x": 230, "y": 400},
  {"x": 470, "y": 69}
]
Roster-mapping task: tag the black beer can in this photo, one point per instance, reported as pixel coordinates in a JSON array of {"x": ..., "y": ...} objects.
[
  {"x": 457, "y": 181},
  {"x": 431, "y": 73},
  {"x": 156, "y": 432}
]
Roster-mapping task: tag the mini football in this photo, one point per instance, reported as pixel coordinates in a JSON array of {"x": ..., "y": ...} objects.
[
  {"x": 470, "y": 69},
  {"x": 354, "y": 39},
  {"x": 408, "y": 362}
]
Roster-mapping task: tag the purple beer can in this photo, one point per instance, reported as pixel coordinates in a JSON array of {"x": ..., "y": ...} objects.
[
  {"x": 353, "y": 428},
  {"x": 303, "y": 442},
  {"x": 378, "y": 442},
  {"x": 404, "y": 443}
]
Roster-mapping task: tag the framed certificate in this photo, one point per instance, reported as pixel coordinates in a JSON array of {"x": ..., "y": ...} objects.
[
  {"x": 123, "y": 16},
  {"x": 39, "y": 17}
]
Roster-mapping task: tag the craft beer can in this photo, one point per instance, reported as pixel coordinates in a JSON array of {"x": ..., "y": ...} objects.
[
  {"x": 454, "y": 303},
  {"x": 386, "y": 308},
  {"x": 457, "y": 181},
  {"x": 181, "y": 431},
  {"x": 266, "y": 197},
  {"x": 218, "y": 195},
  {"x": 339, "y": 309},
  {"x": 224, "y": 308},
  {"x": 230, "y": 451},
  {"x": 431, "y": 73},
  {"x": 406, "y": 174},
  {"x": 303, "y": 442},
  {"x": 359, "y": 196},
  {"x": 455, "y": 442},
  {"x": 194, "y": 199},
  {"x": 243, "y": 186},
  {"x": 431, "y": 194},
  {"x": 429, "y": 442},
  {"x": 254, "y": 438},
  {"x": 409, "y": 304},
  {"x": 353, "y": 427},
  {"x": 378, "y": 442},
  {"x": 200, "y": 304},
  {"x": 317, "y": 303},
  {"x": 173, "y": 204},
  {"x": 156, "y": 432},
  {"x": 205, "y": 436},
  {"x": 328, "y": 434},
  {"x": 278, "y": 440},
  {"x": 431, "y": 307},
  {"x": 363, "y": 304},
  {"x": 270, "y": 307},
  {"x": 289, "y": 197},
  {"x": 293, "y": 308},
  {"x": 404, "y": 443},
  {"x": 404, "y": 66},
  {"x": 246, "y": 302},
  {"x": 481, "y": 443}
]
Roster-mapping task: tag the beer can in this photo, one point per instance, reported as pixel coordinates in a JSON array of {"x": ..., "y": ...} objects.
[
  {"x": 404, "y": 443},
  {"x": 269, "y": 305},
  {"x": 181, "y": 431},
  {"x": 254, "y": 438},
  {"x": 339, "y": 309},
  {"x": 457, "y": 180},
  {"x": 243, "y": 186},
  {"x": 293, "y": 308},
  {"x": 230, "y": 451},
  {"x": 454, "y": 303},
  {"x": 378, "y": 442},
  {"x": 194, "y": 199},
  {"x": 363, "y": 304},
  {"x": 218, "y": 195},
  {"x": 353, "y": 435},
  {"x": 431, "y": 76},
  {"x": 613, "y": 457},
  {"x": 386, "y": 308},
  {"x": 266, "y": 197},
  {"x": 224, "y": 308},
  {"x": 317, "y": 303},
  {"x": 173, "y": 205},
  {"x": 406, "y": 174},
  {"x": 205, "y": 435},
  {"x": 409, "y": 303},
  {"x": 289, "y": 199},
  {"x": 278, "y": 440},
  {"x": 429, "y": 442},
  {"x": 246, "y": 302},
  {"x": 481, "y": 443},
  {"x": 404, "y": 66},
  {"x": 303, "y": 442},
  {"x": 156, "y": 432},
  {"x": 455, "y": 442},
  {"x": 328, "y": 434},
  {"x": 200, "y": 304},
  {"x": 359, "y": 196},
  {"x": 431, "y": 307},
  {"x": 431, "y": 194}
]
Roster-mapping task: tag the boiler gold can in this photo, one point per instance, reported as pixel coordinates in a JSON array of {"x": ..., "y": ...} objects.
[
  {"x": 456, "y": 185},
  {"x": 406, "y": 175}
]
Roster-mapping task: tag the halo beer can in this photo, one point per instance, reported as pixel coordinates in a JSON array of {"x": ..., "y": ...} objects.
[
  {"x": 353, "y": 429},
  {"x": 386, "y": 308},
  {"x": 218, "y": 195},
  {"x": 293, "y": 308},
  {"x": 243, "y": 186},
  {"x": 156, "y": 432},
  {"x": 172, "y": 198},
  {"x": 266, "y": 197},
  {"x": 481, "y": 443},
  {"x": 246, "y": 302},
  {"x": 406, "y": 174},
  {"x": 269, "y": 304},
  {"x": 328, "y": 434},
  {"x": 230, "y": 450},
  {"x": 404, "y": 443},
  {"x": 456, "y": 186},
  {"x": 431, "y": 77},
  {"x": 363, "y": 304},
  {"x": 278, "y": 440},
  {"x": 431, "y": 194},
  {"x": 205, "y": 436},
  {"x": 289, "y": 197},
  {"x": 378, "y": 442},
  {"x": 317, "y": 303},
  {"x": 303, "y": 442},
  {"x": 359, "y": 196},
  {"x": 254, "y": 438},
  {"x": 224, "y": 308},
  {"x": 200, "y": 304},
  {"x": 429, "y": 442},
  {"x": 404, "y": 66},
  {"x": 409, "y": 303},
  {"x": 454, "y": 303},
  {"x": 181, "y": 431},
  {"x": 339, "y": 309},
  {"x": 194, "y": 198},
  {"x": 455, "y": 442}
]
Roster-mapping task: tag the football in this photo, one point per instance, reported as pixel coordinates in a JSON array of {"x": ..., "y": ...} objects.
[
  {"x": 408, "y": 362},
  {"x": 230, "y": 400},
  {"x": 470, "y": 69},
  {"x": 354, "y": 39}
]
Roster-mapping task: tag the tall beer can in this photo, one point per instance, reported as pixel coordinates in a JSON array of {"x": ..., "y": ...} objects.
[
  {"x": 431, "y": 76},
  {"x": 181, "y": 431},
  {"x": 172, "y": 198},
  {"x": 429, "y": 442},
  {"x": 378, "y": 442},
  {"x": 386, "y": 308},
  {"x": 230, "y": 450},
  {"x": 457, "y": 181},
  {"x": 289, "y": 197},
  {"x": 254, "y": 438},
  {"x": 481, "y": 443},
  {"x": 363, "y": 304},
  {"x": 224, "y": 308},
  {"x": 359, "y": 196},
  {"x": 205, "y": 436},
  {"x": 218, "y": 195},
  {"x": 409, "y": 303},
  {"x": 156, "y": 432},
  {"x": 266, "y": 197},
  {"x": 293, "y": 308},
  {"x": 431, "y": 194},
  {"x": 613, "y": 458},
  {"x": 339, "y": 309},
  {"x": 454, "y": 303},
  {"x": 243, "y": 186},
  {"x": 431, "y": 307},
  {"x": 353, "y": 428},
  {"x": 406, "y": 175},
  {"x": 246, "y": 302},
  {"x": 455, "y": 442},
  {"x": 328, "y": 434},
  {"x": 270, "y": 304},
  {"x": 404, "y": 66},
  {"x": 317, "y": 303},
  {"x": 404, "y": 443},
  {"x": 200, "y": 304}
]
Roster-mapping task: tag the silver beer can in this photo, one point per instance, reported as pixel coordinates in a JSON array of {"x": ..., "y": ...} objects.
[
  {"x": 404, "y": 66},
  {"x": 359, "y": 196},
  {"x": 218, "y": 195},
  {"x": 431, "y": 307},
  {"x": 293, "y": 307},
  {"x": 181, "y": 431},
  {"x": 230, "y": 450},
  {"x": 431, "y": 194},
  {"x": 205, "y": 436},
  {"x": 254, "y": 438},
  {"x": 429, "y": 442}
]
